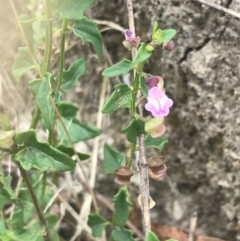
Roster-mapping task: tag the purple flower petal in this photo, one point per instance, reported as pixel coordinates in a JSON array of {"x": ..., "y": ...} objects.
[
  {"x": 158, "y": 103},
  {"x": 128, "y": 34}
]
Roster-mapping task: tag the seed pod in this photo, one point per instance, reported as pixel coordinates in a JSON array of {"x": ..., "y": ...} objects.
[
  {"x": 123, "y": 175},
  {"x": 151, "y": 202},
  {"x": 157, "y": 168}
]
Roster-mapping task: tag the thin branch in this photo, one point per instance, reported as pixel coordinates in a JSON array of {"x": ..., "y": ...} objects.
[
  {"x": 142, "y": 163},
  {"x": 77, "y": 158},
  {"x": 193, "y": 225},
  {"x": 220, "y": 8}
]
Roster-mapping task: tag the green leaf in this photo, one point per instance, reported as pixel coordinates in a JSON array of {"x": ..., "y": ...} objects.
[
  {"x": 142, "y": 54},
  {"x": 6, "y": 138},
  {"x": 155, "y": 27},
  {"x": 39, "y": 29},
  {"x": 122, "y": 234},
  {"x": 74, "y": 9},
  {"x": 134, "y": 129},
  {"x": 121, "y": 97},
  {"x": 113, "y": 159},
  {"x": 40, "y": 155},
  {"x": 22, "y": 63},
  {"x": 26, "y": 23},
  {"x": 87, "y": 30},
  {"x": 167, "y": 35},
  {"x": 119, "y": 68},
  {"x": 97, "y": 224},
  {"x": 67, "y": 109},
  {"x": 6, "y": 192},
  {"x": 144, "y": 87},
  {"x": 77, "y": 131},
  {"x": 42, "y": 90},
  {"x": 31, "y": 232},
  {"x": 69, "y": 151},
  {"x": 122, "y": 207},
  {"x": 155, "y": 142},
  {"x": 70, "y": 77},
  {"x": 4, "y": 119},
  {"x": 151, "y": 236}
]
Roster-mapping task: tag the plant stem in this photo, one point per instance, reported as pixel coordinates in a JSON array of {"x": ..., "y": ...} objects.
[
  {"x": 41, "y": 217},
  {"x": 48, "y": 38},
  {"x": 62, "y": 52},
  {"x": 142, "y": 163},
  {"x": 35, "y": 118}
]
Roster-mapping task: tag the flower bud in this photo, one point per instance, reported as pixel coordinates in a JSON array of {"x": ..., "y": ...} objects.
[
  {"x": 149, "y": 47},
  {"x": 123, "y": 175},
  {"x": 157, "y": 168},
  {"x": 135, "y": 41},
  {"x": 151, "y": 202},
  {"x": 155, "y": 81},
  {"x": 169, "y": 46},
  {"x": 132, "y": 42}
]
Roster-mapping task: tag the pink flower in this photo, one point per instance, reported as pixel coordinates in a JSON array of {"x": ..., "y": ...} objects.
[{"x": 158, "y": 103}]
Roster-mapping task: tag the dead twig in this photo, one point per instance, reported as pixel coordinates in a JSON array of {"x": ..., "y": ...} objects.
[
  {"x": 192, "y": 228},
  {"x": 220, "y": 8}
]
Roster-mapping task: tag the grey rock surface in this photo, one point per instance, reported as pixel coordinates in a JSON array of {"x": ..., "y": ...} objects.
[{"x": 202, "y": 76}]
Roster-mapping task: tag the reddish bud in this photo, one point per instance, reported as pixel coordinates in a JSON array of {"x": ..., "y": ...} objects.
[
  {"x": 132, "y": 42},
  {"x": 169, "y": 46},
  {"x": 155, "y": 81},
  {"x": 123, "y": 175}
]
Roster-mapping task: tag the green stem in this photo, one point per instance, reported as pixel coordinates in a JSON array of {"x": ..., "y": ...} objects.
[
  {"x": 35, "y": 118},
  {"x": 47, "y": 56},
  {"x": 62, "y": 52},
  {"x": 134, "y": 109},
  {"x": 41, "y": 217},
  {"x": 49, "y": 32}
]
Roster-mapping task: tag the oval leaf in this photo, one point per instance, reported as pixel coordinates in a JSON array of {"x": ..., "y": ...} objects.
[
  {"x": 70, "y": 77},
  {"x": 87, "y": 30},
  {"x": 77, "y": 131},
  {"x": 121, "y": 97},
  {"x": 22, "y": 63},
  {"x": 42, "y": 90},
  {"x": 74, "y": 9},
  {"x": 97, "y": 224},
  {"x": 122, "y": 207},
  {"x": 113, "y": 159},
  {"x": 151, "y": 236},
  {"x": 40, "y": 155},
  {"x": 121, "y": 234},
  {"x": 134, "y": 129},
  {"x": 142, "y": 54},
  {"x": 155, "y": 142},
  {"x": 119, "y": 68}
]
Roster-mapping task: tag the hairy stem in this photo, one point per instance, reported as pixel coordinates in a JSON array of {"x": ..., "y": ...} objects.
[
  {"x": 41, "y": 217},
  {"x": 62, "y": 52},
  {"x": 48, "y": 38},
  {"x": 142, "y": 163}
]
